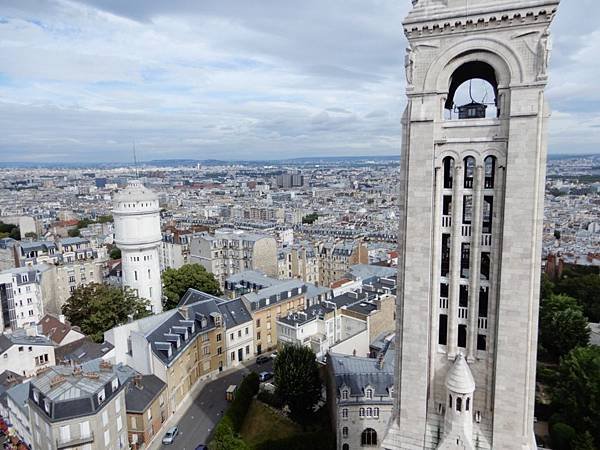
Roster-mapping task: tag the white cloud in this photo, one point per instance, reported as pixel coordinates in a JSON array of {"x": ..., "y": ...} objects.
[{"x": 235, "y": 78}]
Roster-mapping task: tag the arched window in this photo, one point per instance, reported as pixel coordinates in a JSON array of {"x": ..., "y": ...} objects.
[
  {"x": 368, "y": 437},
  {"x": 375, "y": 412},
  {"x": 468, "y": 404},
  {"x": 490, "y": 170},
  {"x": 469, "y": 171},
  {"x": 369, "y": 393},
  {"x": 345, "y": 447},
  {"x": 361, "y": 412},
  {"x": 345, "y": 432},
  {"x": 473, "y": 92},
  {"x": 448, "y": 167},
  {"x": 369, "y": 412},
  {"x": 450, "y": 401},
  {"x": 458, "y": 404}
]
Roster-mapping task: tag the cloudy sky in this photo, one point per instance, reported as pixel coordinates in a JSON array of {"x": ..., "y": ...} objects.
[{"x": 237, "y": 79}]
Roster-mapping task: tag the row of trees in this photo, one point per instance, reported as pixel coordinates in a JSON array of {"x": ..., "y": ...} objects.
[
  {"x": 569, "y": 367},
  {"x": 96, "y": 308},
  {"x": 9, "y": 230}
]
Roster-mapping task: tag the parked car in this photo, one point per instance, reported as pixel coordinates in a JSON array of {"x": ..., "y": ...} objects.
[
  {"x": 274, "y": 355},
  {"x": 265, "y": 376},
  {"x": 262, "y": 359},
  {"x": 170, "y": 435},
  {"x": 202, "y": 447}
]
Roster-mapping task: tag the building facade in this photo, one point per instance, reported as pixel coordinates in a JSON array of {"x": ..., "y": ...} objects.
[
  {"x": 471, "y": 204},
  {"x": 137, "y": 234}
]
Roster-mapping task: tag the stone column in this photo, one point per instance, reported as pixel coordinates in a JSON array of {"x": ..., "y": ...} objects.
[
  {"x": 436, "y": 267},
  {"x": 455, "y": 243},
  {"x": 475, "y": 263}
]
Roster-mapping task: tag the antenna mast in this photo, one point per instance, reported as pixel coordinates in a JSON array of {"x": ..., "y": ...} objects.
[{"x": 135, "y": 164}]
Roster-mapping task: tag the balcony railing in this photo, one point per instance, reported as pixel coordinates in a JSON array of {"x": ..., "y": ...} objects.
[
  {"x": 486, "y": 239},
  {"x": 443, "y": 302},
  {"x": 74, "y": 441},
  {"x": 446, "y": 221},
  {"x": 466, "y": 230},
  {"x": 482, "y": 323},
  {"x": 463, "y": 312}
]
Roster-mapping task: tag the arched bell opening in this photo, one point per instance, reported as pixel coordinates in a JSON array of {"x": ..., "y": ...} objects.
[{"x": 472, "y": 93}]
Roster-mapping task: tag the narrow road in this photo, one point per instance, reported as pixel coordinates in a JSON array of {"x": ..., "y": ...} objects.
[{"x": 198, "y": 422}]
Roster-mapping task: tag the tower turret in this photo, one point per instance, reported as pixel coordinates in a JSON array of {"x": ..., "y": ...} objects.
[{"x": 136, "y": 214}]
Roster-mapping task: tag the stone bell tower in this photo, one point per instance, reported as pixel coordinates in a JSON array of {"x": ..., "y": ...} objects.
[{"x": 472, "y": 196}]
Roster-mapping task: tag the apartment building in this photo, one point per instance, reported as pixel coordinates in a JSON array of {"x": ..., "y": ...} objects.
[
  {"x": 24, "y": 354},
  {"x": 271, "y": 303},
  {"x": 229, "y": 251},
  {"x": 300, "y": 261},
  {"x": 21, "y": 297},
  {"x": 81, "y": 407},
  {"x": 174, "y": 248},
  {"x": 336, "y": 258},
  {"x": 146, "y": 406},
  {"x": 179, "y": 346}
]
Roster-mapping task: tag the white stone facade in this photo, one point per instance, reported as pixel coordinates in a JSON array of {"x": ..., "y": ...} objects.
[
  {"x": 471, "y": 206},
  {"x": 137, "y": 234}
]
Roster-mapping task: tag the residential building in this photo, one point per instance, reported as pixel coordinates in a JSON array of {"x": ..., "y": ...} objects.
[
  {"x": 179, "y": 346},
  {"x": 147, "y": 410},
  {"x": 271, "y": 303},
  {"x": 229, "y": 251},
  {"x": 336, "y": 258},
  {"x": 21, "y": 297},
  {"x": 79, "y": 407},
  {"x": 25, "y": 354},
  {"x": 59, "y": 330},
  {"x": 17, "y": 404},
  {"x": 361, "y": 397},
  {"x": 175, "y": 248},
  {"x": 471, "y": 225}
]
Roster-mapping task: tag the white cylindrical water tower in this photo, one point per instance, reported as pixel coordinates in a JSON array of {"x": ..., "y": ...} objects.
[{"x": 137, "y": 233}]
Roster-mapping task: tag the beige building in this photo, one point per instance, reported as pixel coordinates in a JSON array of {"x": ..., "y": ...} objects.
[
  {"x": 336, "y": 258},
  {"x": 228, "y": 252},
  {"x": 268, "y": 305},
  {"x": 81, "y": 407},
  {"x": 146, "y": 404},
  {"x": 300, "y": 261}
]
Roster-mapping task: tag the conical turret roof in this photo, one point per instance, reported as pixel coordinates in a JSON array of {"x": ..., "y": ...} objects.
[{"x": 460, "y": 379}]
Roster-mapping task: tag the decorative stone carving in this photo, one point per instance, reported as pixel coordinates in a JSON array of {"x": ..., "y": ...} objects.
[
  {"x": 543, "y": 56},
  {"x": 409, "y": 65}
]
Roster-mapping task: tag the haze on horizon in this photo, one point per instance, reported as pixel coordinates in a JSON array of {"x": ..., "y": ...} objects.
[{"x": 231, "y": 79}]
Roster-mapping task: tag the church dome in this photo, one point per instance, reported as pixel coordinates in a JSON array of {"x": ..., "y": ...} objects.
[{"x": 460, "y": 379}]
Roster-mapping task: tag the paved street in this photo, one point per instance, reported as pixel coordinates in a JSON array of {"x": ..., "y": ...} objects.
[{"x": 196, "y": 424}]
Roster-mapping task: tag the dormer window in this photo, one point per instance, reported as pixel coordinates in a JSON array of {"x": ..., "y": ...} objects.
[
  {"x": 345, "y": 394},
  {"x": 47, "y": 406},
  {"x": 115, "y": 384},
  {"x": 36, "y": 396},
  {"x": 369, "y": 393},
  {"x": 101, "y": 397}
]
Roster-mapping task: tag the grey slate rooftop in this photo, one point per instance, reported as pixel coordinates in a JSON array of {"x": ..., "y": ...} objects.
[
  {"x": 141, "y": 391},
  {"x": 311, "y": 313}
]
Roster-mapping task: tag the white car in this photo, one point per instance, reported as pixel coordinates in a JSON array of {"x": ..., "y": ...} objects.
[{"x": 170, "y": 435}]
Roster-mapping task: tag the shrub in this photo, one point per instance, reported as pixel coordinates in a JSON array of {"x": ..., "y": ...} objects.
[
  {"x": 315, "y": 441},
  {"x": 270, "y": 399},
  {"x": 562, "y": 435}
]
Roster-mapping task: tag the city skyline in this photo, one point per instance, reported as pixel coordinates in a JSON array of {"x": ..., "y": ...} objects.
[{"x": 80, "y": 81}]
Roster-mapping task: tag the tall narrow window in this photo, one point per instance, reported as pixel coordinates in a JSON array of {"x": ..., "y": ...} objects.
[
  {"x": 462, "y": 336},
  {"x": 448, "y": 164},
  {"x": 443, "y": 330},
  {"x": 490, "y": 169},
  {"x": 467, "y": 209},
  {"x": 469, "y": 171},
  {"x": 458, "y": 404}
]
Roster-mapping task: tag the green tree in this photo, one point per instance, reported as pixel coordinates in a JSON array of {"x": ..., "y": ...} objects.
[
  {"x": 297, "y": 380},
  {"x": 176, "y": 282},
  {"x": 115, "y": 253},
  {"x": 97, "y": 308},
  {"x": 310, "y": 218},
  {"x": 583, "y": 441},
  {"x": 585, "y": 289},
  {"x": 74, "y": 232},
  {"x": 562, "y": 326},
  {"x": 31, "y": 234},
  {"x": 546, "y": 287},
  {"x": 577, "y": 390},
  {"x": 15, "y": 233},
  {"x": 562, "y": 436}
]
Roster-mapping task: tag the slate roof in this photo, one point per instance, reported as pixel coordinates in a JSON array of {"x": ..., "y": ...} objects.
[
  {"x": 367, "y": 271},
  {"x": 140, "y": 393},
  {"x": 357, "y": 373},
  {"x": 82, "y": 350},
  {"x": 253, "y": 277},
  {"x": 234, "y": 313},
  {"x": 19, "y": 394},
  {"x": 70, "y": 394},
  {"x": 176, "y": 331},
  {"x": 275, "y": 294},
  {"x": 18, "y": 337},
  {"x": 313, "y": 312}
]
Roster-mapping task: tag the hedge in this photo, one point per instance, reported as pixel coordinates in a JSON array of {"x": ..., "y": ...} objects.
[{"x": 225, "y": 435}]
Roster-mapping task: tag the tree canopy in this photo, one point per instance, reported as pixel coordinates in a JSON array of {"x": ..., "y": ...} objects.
[
  {"x": 562, "y": 326},
  {"x": 577, "y": 390},
  {"x": 310, "y": 218},
  {"x": 176, "y": 282},
  {"x": 9, "y": 230},
  {"x": 96, "y": 308},
  {"x": 115, "y": 253},
  {"x": 584, "y": 288},
  {"x": 297, "y": 380}
]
